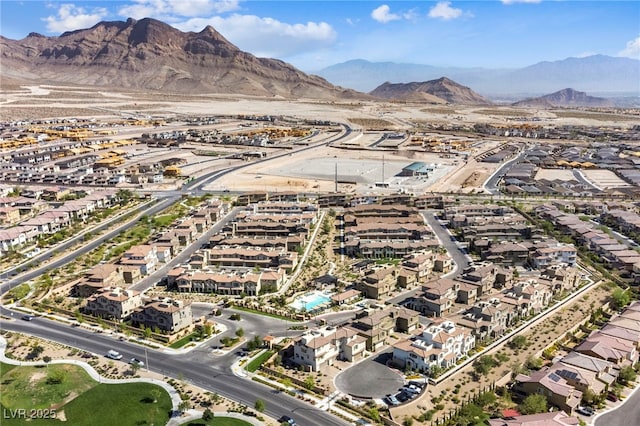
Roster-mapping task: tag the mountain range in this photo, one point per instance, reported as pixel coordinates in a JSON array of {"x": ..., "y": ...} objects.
[
  {"x": 594, "y": 74},
  {"x": 149, "y": 54}
]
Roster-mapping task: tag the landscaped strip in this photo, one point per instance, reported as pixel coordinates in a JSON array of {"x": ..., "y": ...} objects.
[{"x": 258, "y": 361}]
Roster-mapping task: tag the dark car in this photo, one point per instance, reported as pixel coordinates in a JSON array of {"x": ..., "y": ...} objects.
[
  {"x": 612, "y": 397},
  {"x": 28, "y": 317},
  {"x": 287, "y": 419},
  {"x": 403, "y": 396}
]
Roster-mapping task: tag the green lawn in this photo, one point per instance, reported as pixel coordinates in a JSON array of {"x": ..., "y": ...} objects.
[
  {"x": 218, "y": 421},
  {"x": 72, "y": 393},
  {"x": 184, "y": 341},
  {"x": 257, "y": 362},
  {"x": 134, "y": 402}
]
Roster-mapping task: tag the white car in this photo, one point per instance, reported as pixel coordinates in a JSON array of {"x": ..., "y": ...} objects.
[
  {"x": 136, "y": 361},
  {"x": 114, "y": 355}
]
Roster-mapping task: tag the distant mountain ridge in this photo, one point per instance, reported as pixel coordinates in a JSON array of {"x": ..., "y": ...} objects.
[
  {"x": 597, "y": 73},
  {"x": 439, "y": 91},
  {"x": 565, "y": 98},
  {"x": 150, "y": 54}
]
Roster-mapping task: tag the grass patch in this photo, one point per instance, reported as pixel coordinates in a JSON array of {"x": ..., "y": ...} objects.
[
  {"x": 185, "y": 340},
  {"x": 134, "y": 401},
  {"x": 68, "y": 388},
  {"x": 257, "y": 362},
  {"x": 164, "y": 220},
  {"x": 18, "y": 292},
  {"x": 32, "y": 387},
  {"x": 253, "y": 311},
  {"x": 218, "y": 421}
]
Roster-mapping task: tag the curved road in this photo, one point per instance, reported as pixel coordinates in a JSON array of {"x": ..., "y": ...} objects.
[
  {"x": 627, "y": 414},
  {"x": 199, "y": 367}
]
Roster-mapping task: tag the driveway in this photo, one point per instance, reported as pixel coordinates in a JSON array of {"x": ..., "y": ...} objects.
[{"x": 370, "y": 378}]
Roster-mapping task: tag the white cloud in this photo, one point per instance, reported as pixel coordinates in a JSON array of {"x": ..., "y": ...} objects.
[
  {"x": 266, "y": 37},
  {"x": 443, "y": 10},
  {"x": 520, "y": 1},
  {"x": 169, "y": 9},
  {"x": 632, "y": 50},
  {"x": 383, "y": 14},
  {"x": 70, "y": 17}
]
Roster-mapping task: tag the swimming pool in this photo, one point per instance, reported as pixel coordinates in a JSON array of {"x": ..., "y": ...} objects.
[{"x": 310, "y": 301}]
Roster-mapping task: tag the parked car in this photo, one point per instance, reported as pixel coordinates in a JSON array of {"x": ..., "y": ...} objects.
[
  {"x": 587, "y": 411},
  {"x": 136, "y": 361},
  {"x": 287, "y": 419},
  {"x": 391, "y": 399},
  {"x": 403, "y": 396},
  {"x": 412, "y": 389},
  {"x": 612, "y": 397},
  {"x": 114, "y": 354}
]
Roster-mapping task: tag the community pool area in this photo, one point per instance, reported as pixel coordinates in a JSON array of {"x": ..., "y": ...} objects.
[{"x": 310, "y": 301}]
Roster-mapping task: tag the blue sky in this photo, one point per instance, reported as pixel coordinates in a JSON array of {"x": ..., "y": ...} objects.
[{"x": 314, "y": 34}]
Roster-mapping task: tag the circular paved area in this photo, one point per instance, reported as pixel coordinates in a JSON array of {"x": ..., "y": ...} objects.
[{"x": 370, "y": 378}]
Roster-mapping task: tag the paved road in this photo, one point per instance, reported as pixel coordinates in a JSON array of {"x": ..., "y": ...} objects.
[
  {"x": 370, "y": 378},
  {"x": 185, "y": 254},
  {"x": 63, "y": 260},
  {"x": 491, "y": 184},
  {"x": 200, "y": 368},
  {"x": 627, "y": 414},
  {"x": 460, "y": 258}
]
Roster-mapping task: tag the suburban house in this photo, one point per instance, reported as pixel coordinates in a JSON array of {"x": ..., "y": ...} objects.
[
  {"x": 437, "y": 298},
  {"x": 165, "y": 314},
  {"x": 555, "y": 388},
  {"x": 143, "y": 257},
  {"x": 441, "y": 344},
  {"x": 323, "y": 346},
  {"x": 113, "y": 302}
]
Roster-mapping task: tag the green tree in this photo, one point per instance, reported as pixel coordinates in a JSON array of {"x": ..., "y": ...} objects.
[
  {"x": 259, "y": 406},
  {"x": 627, "y": 375},
  {"x": 184, "y": 406},
  {"x": 532, "y": 404},
  {"x": 309, "y": 382},
  {"x": 240, "y": 332},
  {"x": 208, "y": 415},
  {"x": 434, "y": 371},
  {"x": 207, "y": 329},
  {"x": 134, "y": 367},
  {"x": 619, "y": 298},
  {"x": 374, "y": 414},
  {"x": 519, "y": 342},
  {"x": 147, "y": 333},
  {"x": 483, "y": 365},
  {"x": 155, "y": 393}
]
